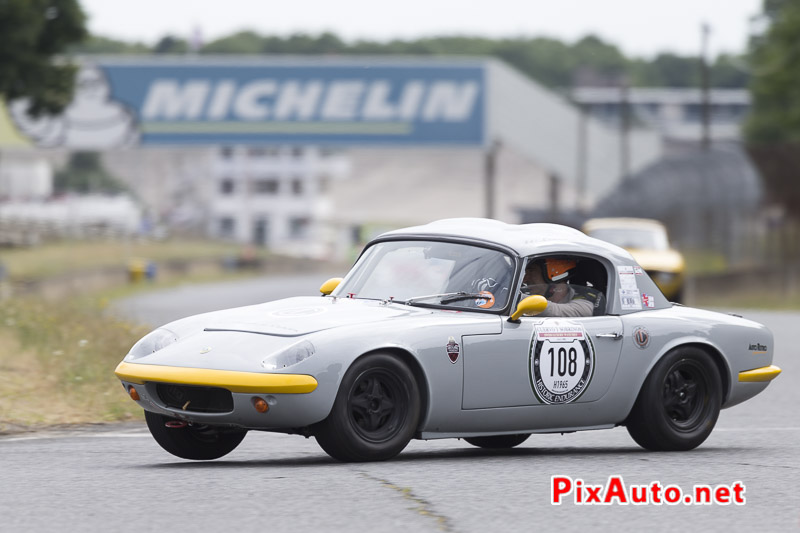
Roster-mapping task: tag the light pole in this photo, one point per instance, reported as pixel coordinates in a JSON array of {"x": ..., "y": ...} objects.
[
  {"x": 489, "y": 171},
  {"x": 705, "y": 31},
  {"x": 624, "y": 129}
]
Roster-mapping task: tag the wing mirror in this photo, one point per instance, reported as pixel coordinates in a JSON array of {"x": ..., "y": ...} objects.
[
  {"x": 330, "y": 285},
  {"x": 532, "y": 305}
]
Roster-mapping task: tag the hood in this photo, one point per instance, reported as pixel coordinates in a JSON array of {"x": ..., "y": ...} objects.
[
  {"x": 661, "y": 260},
  {"x": 294, "y": 317}
]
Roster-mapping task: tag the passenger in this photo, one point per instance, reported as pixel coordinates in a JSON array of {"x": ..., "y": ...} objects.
[{"x": 549, "y": 278}]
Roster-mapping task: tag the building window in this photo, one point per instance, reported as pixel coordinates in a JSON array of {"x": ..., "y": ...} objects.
[
  {"x": 297, "y": 151},
  {"x": 226, "y": 186},
  {"x": 297, "y": 187},
  {"x": 261, "y": 231},
  {"x": 226, "y": 152},
  {"x": 227, "y": 227},
  {"x": 256, "y": 151},
  {"x": 324, "y": 183},
  {"x": 266, "y": 186},
  {"x": 298, "y": 227}
]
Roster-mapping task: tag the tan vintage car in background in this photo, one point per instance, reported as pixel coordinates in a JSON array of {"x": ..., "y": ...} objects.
[{"x": 648, "y": 243}]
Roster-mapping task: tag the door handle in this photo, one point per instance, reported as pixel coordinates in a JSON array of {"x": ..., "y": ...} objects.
[{"x": 616, "y": 335}]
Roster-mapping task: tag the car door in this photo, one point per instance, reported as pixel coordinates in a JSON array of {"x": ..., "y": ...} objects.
[{"x": 541, "y": 361}]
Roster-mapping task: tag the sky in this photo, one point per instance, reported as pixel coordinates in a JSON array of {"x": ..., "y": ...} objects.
[{"x": 641, "y": 28}]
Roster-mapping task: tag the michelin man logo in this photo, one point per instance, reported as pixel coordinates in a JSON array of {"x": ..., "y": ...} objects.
[{"x": 92, "y": 121}]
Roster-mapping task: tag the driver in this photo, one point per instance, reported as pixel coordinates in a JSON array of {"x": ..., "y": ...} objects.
[{"x": 550, "y": 278}]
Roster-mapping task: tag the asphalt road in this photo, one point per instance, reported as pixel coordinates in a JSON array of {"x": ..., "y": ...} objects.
[
  {"x": 117, "y": 478},
  {"x": 157, "y": 308}
]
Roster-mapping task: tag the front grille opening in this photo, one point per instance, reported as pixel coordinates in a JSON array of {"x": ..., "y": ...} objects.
[{"x": 195, "y": 399}]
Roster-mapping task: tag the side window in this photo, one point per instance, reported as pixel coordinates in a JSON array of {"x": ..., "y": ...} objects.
[{"x": 574, "y": 286}]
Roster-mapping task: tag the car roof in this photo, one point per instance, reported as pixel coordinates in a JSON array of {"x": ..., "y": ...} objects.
[{"x": 524, "y": 239}]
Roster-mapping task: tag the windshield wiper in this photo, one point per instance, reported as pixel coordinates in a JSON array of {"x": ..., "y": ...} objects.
[
  {"x": 463, "y": 296},
  {"x": 446, "y": 297}
]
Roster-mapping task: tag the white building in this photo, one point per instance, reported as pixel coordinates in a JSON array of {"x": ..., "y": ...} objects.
[
  {"x": 275, "y": 196},
  {"x": 25, "y": 175},
  {"x": 676, "y": 113}
]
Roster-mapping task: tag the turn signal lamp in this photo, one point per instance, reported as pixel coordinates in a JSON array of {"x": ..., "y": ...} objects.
[
  {"x": 134, "y": 394},
  {"x": 261, "y": 405}
]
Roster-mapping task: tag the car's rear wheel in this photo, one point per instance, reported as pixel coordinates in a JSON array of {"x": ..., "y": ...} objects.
[
  {"x": 679, "y": 402},
  {"x": 376, "y": 411},
  {"x": 192, "y": 441},
  {"x": 498, "y": 442}
]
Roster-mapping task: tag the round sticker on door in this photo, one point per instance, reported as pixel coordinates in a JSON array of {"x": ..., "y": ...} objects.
[
  {"x": 486, "y": 301},
  {"x": 561, "y": 363}
]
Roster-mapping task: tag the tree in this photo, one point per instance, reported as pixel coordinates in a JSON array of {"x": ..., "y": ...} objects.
[
  {"x": 169, "y": 44},
  {"x": 551, "y": 62},
  {"x": 775, "y": 112},
  {"x": 729, "y": 71},
  {"x": 32, "y": 33},
  {"x": 773, "y": 127},
  {"x": 243, "y": 42},
  {"x": 97, "y": 44},
  {"x": 85, "y": 173}
]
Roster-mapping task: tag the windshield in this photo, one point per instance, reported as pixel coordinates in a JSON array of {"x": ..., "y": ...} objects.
[
  {"x": 456, "y": 275},
  {"x": 633, "y": 238}
]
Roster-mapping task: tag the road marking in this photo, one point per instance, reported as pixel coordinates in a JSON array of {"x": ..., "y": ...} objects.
[{"x": 756, "y": 429}]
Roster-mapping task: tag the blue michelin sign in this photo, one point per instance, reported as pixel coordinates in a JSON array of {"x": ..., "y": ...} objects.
[{"x": 122, "y": 102}]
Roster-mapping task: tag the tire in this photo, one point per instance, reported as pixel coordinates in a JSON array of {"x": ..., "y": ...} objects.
[
  {"x": 679, "y": 402},
  {"x": 197, "y": 441},
  {"x": 376, "y": 411},
  {"x": 498, "y": 442}
]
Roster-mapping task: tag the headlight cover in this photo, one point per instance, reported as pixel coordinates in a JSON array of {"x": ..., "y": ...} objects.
[
  {"x": 289, "y": 356},
  {"x": 151, "y": 343}
]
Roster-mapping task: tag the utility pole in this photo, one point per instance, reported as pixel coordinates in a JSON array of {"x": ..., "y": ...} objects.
[
  {"x": 624, "y": 129},
  {"x": 555, "y": 198},
  {"x": 705, "y": 75},
  {"x": 583, "y": 155},
  {"x": 489, "y": 171}
]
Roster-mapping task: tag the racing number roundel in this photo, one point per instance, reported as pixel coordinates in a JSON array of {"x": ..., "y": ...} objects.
[{"x": 562, "y": 363}]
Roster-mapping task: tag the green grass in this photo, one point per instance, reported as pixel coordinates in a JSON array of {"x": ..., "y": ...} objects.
[
  {"x": 57, "y": 357},
  {"x": 58, "y": 361},
  {"x": 64, "y": 257}
]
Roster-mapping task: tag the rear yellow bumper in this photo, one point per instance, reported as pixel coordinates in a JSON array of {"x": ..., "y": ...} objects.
[
  {"x": 757, "y": 375},
  {"x": 226, "y": 379}
]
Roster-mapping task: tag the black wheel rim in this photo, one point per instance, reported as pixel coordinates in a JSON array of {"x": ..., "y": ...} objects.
[
  {"x": 377, "y": 405},
  {"x": 685, "y": 395}
]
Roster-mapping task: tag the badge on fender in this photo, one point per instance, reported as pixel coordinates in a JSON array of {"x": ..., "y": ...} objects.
[{"x": 561, "y": 363}]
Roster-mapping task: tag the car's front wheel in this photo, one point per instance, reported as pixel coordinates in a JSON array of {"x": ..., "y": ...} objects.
[
  {"x": 192, "y": 441},
  {"x": 679, "y": 402},
  {"x": 376, "y": 411},
  {"x": 498, "y": 442}
]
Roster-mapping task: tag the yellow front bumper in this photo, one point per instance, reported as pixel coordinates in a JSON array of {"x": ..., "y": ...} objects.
[
  {"x": 757, "y": 375},
  {"x": 226, "y": 379}
]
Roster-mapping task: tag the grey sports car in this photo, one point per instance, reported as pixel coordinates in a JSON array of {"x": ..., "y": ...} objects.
[{"x": 437, "y": 332}]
